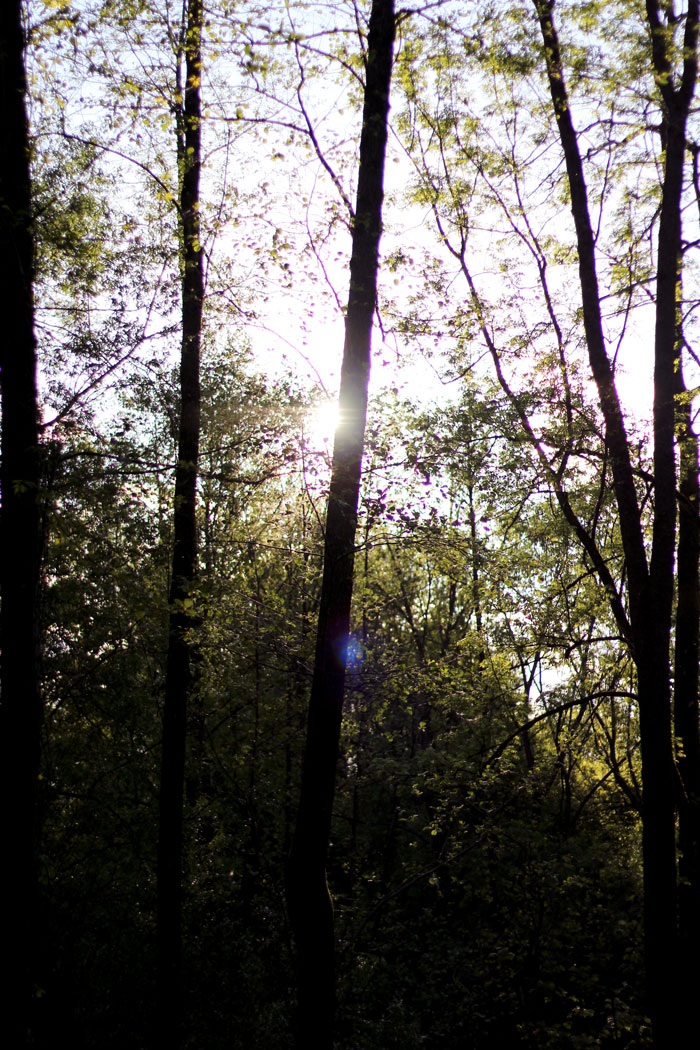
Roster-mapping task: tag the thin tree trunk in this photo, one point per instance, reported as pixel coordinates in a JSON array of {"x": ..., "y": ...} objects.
[
  {"x": 20, "y": 711},
  {"x": 685, "y": 699},
  {"x": 181, "y": 659},
  {"x": 310, "y": 907}
]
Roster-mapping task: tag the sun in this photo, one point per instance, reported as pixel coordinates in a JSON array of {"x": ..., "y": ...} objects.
[{"x": 321, "y": 424}]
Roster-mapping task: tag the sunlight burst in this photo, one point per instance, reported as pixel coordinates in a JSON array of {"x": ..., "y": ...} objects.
[{"x": 322, "y": 422}]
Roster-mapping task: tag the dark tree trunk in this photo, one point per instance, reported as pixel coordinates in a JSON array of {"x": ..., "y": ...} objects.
[
  {"x": 685, "y": 700},
  {"x": 310, "y": 907},
  {"x": 181, "y": 659},
  {"x": 669, "y": 970},
  {"x": 651, "y": 583},
  {"x": 20, "y": 710}
]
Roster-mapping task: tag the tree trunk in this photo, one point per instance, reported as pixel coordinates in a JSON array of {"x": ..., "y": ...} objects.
[
  {"x": 20, "y": 711},
  {"x": 685, "y": 697},
  {"x": 181, "y": 658},
  {"x": 671, "y": 993},
  {"x": 310, "y": 907}
]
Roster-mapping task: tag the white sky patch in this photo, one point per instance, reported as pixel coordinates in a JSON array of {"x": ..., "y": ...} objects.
[{"x": 635, "y": 385}]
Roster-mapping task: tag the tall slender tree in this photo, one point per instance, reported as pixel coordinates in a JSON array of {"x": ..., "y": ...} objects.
[
  {"x": 180, "y": 670},
  {"x": 20, "y": 709},
  {"x": 310, "y": 906},
  {"x": 670, "y": 973},
  {"x": 653, "y": 593}
]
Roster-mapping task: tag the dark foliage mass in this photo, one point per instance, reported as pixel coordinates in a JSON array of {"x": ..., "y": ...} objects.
[{"x": 484, "y": 864}]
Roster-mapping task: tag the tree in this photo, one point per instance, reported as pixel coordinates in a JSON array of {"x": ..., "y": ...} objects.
[
  {"x": 310, "y": 907},
  {"x": 180, "y": 680},
  {"x": 20, "y": 710},
  {"x": 670, "y": 974},
  {"x": 644, "y": 85}
]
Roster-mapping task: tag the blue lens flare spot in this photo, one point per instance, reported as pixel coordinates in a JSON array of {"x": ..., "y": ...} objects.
[{"x": 351, "y": 654}]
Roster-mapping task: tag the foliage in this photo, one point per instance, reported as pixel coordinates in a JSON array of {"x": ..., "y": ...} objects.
[{"x": 485, "y": 861}]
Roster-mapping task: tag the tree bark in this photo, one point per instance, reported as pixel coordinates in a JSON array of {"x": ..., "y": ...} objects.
[
  {"x": 20, "y": 710},
  {"x": 310, "y": 906},
  {"x": 181, "y": 658}
]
